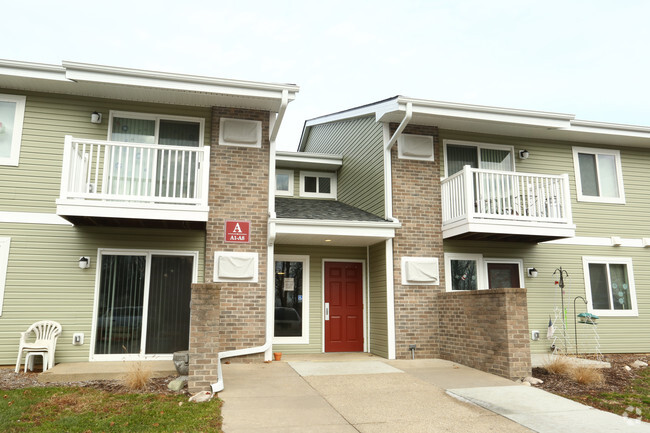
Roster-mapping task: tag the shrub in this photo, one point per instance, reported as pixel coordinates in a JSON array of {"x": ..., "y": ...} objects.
[
  {"x": 559, "y": 365},
  {"x": 137, "y": 377},
  {"x": 587, "y": 375}
]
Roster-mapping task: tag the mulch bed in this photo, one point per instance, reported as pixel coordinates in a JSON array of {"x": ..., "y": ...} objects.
[{"x": 11, "y": 380}]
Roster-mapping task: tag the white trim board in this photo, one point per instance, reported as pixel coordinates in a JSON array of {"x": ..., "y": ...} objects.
[
  {"x": 588, "y": 241},
  {"x": 32, "y": 218}
]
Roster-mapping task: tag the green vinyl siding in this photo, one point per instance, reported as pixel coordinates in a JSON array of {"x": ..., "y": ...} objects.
[
  {"x": 616, "y": 334},
  {"x": 377, "y": 301},
  {"x": 316, "y": 256},
  {"x": 35, "y": 184},
  {"x": 44, "y": 281},
  {"x": 627, "y": 220},
  {"x": 360, "y": 141}
]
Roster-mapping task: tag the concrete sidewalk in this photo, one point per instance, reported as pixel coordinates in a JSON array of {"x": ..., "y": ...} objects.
[
  {"x": 350, "y": 396},
  {"x": 370, "y": 394}
]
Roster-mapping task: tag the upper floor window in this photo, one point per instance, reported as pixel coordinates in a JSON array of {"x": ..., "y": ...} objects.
[
  {"x": 599, "y": 177},
  {"x": 609, "y": 286},
  {"x": 477, "y": 155},
  {"x": 152, "y": 129},
  {"x": 313, "y": 184},
  {"x": 284, "y": 182},
  {"x": 12, "y": 112}
]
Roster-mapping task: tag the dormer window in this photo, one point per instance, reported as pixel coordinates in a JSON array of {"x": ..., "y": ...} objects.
[{"x": 314, "y": 184}]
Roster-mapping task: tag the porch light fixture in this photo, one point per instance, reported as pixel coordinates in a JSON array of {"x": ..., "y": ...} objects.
[
  {"x": 524, "y": 154},
  {"x": 96, "y": 117},
  {"x": 84, "y": 262},
  {"x": 532, "y": 272}
]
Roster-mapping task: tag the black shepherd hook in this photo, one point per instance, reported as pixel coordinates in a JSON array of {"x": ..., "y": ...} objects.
[{"x": 562, "y": 274}]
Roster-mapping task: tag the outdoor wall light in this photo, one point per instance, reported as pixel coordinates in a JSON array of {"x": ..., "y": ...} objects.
[
  {"x": 532, "y": 272},
  {"x": 524, "y": 154},
  {"x": 96, "y": 117},
  {"x": 84, "y": 262}
]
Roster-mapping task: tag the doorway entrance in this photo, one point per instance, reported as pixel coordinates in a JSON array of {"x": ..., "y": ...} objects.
[{"x": 344, "y": 307}]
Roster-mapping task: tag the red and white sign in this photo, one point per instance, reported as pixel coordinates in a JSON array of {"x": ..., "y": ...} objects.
[{"x": 238, "y": 231}]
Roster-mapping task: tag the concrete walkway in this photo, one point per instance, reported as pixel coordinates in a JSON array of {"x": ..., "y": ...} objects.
[{"x": 362, "y": 393}]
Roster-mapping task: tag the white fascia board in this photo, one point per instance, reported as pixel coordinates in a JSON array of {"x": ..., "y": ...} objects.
[
  {"x": 39, "y": 71},
  {"x": 534, "y": 229},
  {"x": 309, "y": 160},
  {"x": 335, "y": 227},
  {"x": 189, "y": 83},
  {"x": 132, "y": 211},
  {"x": 589, "y": 127},
  {"x": 486, "y": 113},
  {"x": 32, "y": 218}
]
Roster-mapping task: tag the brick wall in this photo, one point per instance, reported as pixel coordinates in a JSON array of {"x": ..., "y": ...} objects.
[
  {"x": 417, "y": 204},
  {"x": 486, "y": 330},
  {"x": 204, "y": 337}
]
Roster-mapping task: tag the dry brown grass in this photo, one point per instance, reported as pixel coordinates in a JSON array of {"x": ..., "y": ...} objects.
[
  {"x": 587, "y": 375},
  {"x": 137, "y": 377},
  {"x": 559, "y": 365}
]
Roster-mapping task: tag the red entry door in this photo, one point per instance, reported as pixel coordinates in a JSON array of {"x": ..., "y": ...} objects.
[{"x": 344, "y": 302}]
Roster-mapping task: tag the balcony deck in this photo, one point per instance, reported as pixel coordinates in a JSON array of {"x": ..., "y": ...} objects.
[
  {"x": 506, "y": 206},
  {"x": 130, "y": 184}
]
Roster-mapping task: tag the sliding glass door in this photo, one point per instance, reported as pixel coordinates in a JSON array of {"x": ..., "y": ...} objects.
[{"x": 143, "y": 304}]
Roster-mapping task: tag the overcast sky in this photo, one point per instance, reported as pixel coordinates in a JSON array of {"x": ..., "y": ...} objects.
[{"x": 588, "y": 58}]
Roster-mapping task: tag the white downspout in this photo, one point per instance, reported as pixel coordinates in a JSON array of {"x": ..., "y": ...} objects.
[
  {"x": 407, "y": 118},
  {"x": 270, "y": 281}
]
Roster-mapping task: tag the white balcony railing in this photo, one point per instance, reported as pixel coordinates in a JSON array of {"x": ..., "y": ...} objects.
[
  {"x": 474, "y": 195},
  {"x": 113, "y": 172}
]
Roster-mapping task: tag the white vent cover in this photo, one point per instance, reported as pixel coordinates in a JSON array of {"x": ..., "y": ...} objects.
[
  {"x": 420, "y": 271},
  {"x": 240, "y": 132},
  {"x": 411, "y": 146},
  {"x": 234, "y": 266}
]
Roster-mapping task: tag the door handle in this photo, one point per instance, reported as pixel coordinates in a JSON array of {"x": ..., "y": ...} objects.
[{"x": 327, "y": 311}]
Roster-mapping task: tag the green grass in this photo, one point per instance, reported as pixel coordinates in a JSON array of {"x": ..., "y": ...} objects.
[
  {"x": 72, "y": 409},
  {"x": 637, "y": 397}
]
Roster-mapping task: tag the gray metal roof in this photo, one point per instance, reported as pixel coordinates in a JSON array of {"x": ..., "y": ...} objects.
[{"x": 296, "y": 208}]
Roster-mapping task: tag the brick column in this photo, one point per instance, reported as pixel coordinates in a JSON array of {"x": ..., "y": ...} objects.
[
  {"x": 204, "y": 336},
  {"x": 417, "y": 204},
  {"x": 239, "y": 182}
]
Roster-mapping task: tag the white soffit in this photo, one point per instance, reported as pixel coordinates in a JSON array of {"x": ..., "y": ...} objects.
[{"x": 139, "y": 85}]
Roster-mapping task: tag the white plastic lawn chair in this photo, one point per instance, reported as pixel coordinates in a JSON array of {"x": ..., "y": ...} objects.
[{"x": 45, "y": 333}]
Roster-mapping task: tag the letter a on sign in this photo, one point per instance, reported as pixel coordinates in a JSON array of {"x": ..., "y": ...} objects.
[{"x": 237, "y": 231}]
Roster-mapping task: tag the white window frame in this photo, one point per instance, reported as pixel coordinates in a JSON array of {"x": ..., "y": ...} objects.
[
  {"x": 481, "y": 283},
  {"x": 289, "y": 192},
  {"x": 518, "y": 262},
  {"x": 135, "y": 252},
  {"x": 619, "y": 175},
  {"x": 317, "y": 174},
  {"x": 16, "y": 138},
  {"x": 586, "y": 261},
  {"x": 157, "y": 118},
  {"x": 482, "y": 276},
  {"x": 304, "y": 339},
  {"x": 478, "y": 146},
  {"x": 4, "y": 263}
]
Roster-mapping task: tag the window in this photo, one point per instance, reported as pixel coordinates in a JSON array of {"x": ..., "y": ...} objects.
[
  {"x": 284, "y": 182},
  {"x": 317, "y": 184},
  {"x": 291, "y": 321},
  {"x": 609, "y": 286},
  {"x": 152, "y": 129},
  {"x": 477, "y": 155},
  {"x": 142, "y": 303},
  {"x": 12, "y": 112},
  {"x": 4, "y": 261},
  {"x": 599, "y": 177},
  {"x": 473, "y": 272}
]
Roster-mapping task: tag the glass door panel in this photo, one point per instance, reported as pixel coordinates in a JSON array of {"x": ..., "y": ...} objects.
[
  {"x": 168, "y": 315},
  {"x": 131, "y": 169},
  {"x": 288, "y": 299},
  {"x": 503, "y": 275},
  {"x": 177, "y": 169},
  {"x": 120, "y": 306}
]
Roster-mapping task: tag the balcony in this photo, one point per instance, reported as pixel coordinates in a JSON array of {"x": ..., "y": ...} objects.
[
  {"x": 506, "y": 206},
  {"x": 131, "y": 184}
]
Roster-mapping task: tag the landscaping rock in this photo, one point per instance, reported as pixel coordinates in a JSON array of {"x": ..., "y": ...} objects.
[
  {"x": 627, "y": 368},
  {"x": 201, "y": 396},
  {"x": 533, "y": 380},
  {"x": 177, "y": 384},
  {"x": 639, "y": 364}
]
